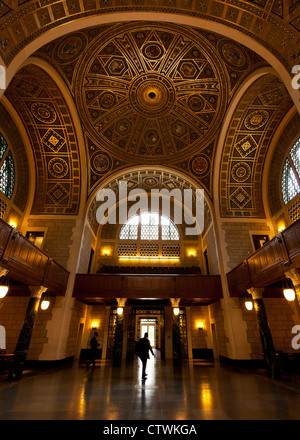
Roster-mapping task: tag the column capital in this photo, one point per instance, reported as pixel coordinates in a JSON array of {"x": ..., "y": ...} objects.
[
  {"x": 3, "y": 272},
  {"x": 121, "y": 302},
  {"x": 37, "y": 291},
  {"x": 294, "y": 275},
  {"x": 175, "y": 302},
  {"x": 256, "y": 292}
]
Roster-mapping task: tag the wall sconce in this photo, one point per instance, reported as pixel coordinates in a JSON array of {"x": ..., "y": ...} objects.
[
  {"x": 176, "y": 311},
  {"x": 121, "y": 304},
  {"x": 13, "y": 224},
  {"x": 288, "y": 289},
  {"x": 3, "y": 287},
  {"x": 45, "y": 303},
  {"x": 95, "y": 325},
  {"x": 192, "y": 253},
  {"x": 200, "y": 326},
  {"x": 248, "y": 302},
  {"x": 106, "y": 252}
]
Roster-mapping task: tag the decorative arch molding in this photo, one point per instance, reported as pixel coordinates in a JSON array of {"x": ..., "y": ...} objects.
[
  {"x": 240, "y": 92},
  {"x": 147, "y": 178},
  {"x": 50, "y": 127},
  {"x": 259, "y": 29},
  {"x": 252, "y": 126},
  {"x": 55, "y": 75}
]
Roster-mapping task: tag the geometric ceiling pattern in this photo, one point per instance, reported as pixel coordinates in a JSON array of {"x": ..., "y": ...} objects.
[
  {"x": 150, "y": 94},
  {"x": 52, "y": 135},
  {"x": 273, "y": 23},
  {"x": 249, "y": 134}
]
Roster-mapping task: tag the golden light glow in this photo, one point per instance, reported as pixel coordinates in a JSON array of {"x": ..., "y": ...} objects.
[
  {"x": 249, "y": 305},
  {"x": 13, "y": 224},
  {"x": 3, "y": 291},
  {"x": 206, "y": 398},
  {"x": 45, "y": 304},
  {"x": 192, "y": 253},
  {"x": 200, "y": 325},
  {"x": 176, "y": 311},
  {"x": 120, "y": 310},
  {"x": 160, "y": 259},
  {"x": 106, "y": 252},
  {"x": 281, "y": 227},
  {"x": 95, "y": 324},
  {"x": 289, "y": 294}
]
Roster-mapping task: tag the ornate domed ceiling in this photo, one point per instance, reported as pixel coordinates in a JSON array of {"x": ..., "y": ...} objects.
[
  {"x": 147, "y": 94},
  {"x": 151, "y": 93}
]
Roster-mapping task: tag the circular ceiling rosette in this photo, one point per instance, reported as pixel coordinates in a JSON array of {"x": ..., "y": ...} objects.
[{"x": 152, "y": 93}]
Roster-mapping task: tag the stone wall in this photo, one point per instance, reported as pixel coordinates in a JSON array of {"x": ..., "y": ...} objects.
[
  {"x": 217, "y": 317},
  {"x": 88, "y": 242},
  {"x": 58, "y": 237},
  {"x": 209, "y": 242},
  {"x": 280, "y": 319},
  {"x": 12, "y": 314},
  {"x": 199, "y": 338},
  {"x": 78, "y": 315},
  {"x": 238, "y": 240}
]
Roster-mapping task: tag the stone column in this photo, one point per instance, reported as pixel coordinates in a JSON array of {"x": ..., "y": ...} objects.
[
  {"x": 176, "y": 343},
  {"x": 106, "y": 328},
  {"x": 21, "y": 350},
  {"x": 118, "y": 345},
  {"x": 270, "y": 357}
]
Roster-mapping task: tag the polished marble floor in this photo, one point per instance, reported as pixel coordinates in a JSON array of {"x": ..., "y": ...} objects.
[{"x": 195, "y": 391}]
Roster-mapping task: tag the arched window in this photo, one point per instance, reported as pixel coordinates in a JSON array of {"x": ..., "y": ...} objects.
[
  {"x": 290, "y": 179},
  {"x": 149, "y": 235},
  {"x": 149, "y": 226},
  {"x": 7, "y": 169}
]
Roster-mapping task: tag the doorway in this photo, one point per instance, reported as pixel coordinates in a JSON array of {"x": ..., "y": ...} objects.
[{"x": 149, "y": 326}]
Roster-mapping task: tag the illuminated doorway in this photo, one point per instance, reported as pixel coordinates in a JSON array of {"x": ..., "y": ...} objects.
[{"x": 149, "y": 325}]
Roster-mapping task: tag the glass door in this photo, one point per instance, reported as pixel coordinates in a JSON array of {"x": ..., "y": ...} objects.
[{"x": 150, "y": 329}]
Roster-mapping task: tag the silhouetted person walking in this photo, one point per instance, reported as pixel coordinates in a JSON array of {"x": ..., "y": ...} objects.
[
  {"x": 143, "y": 352},
  {"x": 93, "y": 352}
]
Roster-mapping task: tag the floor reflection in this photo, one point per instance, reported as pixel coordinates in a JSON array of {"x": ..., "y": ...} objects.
[{"x": 193, "y": 391}]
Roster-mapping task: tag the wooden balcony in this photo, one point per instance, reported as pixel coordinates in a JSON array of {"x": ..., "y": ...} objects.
[
  {"x": 28, "y": 264},
  {"x": 95, "y": 288},
  {"x": 267, "y": 265}
]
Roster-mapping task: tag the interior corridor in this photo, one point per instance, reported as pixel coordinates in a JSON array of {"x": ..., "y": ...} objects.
[{"x": 195, "y": 391}]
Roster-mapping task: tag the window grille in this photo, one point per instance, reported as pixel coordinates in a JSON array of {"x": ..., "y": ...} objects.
[
  {"x": 150, "y": 231},
  {"x": 290, "y": 179},
  {"x": 289, "y": 183}
]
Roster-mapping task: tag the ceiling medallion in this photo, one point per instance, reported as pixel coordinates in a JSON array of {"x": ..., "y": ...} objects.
[{"x": 153, "y": 95}]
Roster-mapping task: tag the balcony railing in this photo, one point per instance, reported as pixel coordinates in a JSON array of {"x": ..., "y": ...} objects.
[
  {"x": 91, "y": 287},
  {"x": 28, "y": 264},
  {"x": 267, "y": 265}
]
